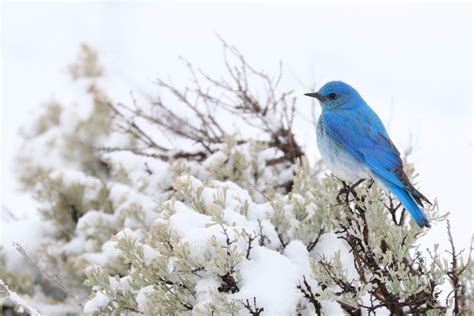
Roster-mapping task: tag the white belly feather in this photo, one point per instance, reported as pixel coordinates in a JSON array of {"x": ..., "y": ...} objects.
[{"x": 339, "y": 160}]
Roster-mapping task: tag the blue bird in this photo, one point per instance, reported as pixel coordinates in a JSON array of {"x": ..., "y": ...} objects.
[{"x": 355, "y": 145}]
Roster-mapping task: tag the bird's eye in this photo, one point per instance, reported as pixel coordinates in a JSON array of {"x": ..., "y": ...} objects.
[{"x": 332, "y": 96}]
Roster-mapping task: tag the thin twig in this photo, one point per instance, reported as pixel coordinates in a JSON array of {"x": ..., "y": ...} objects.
[{"x": 48, "y": 276}]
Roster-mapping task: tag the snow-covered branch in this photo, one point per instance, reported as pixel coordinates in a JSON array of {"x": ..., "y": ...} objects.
[{"x": 16, "y": 300}]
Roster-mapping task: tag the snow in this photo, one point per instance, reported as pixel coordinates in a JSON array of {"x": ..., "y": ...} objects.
[
  {"x": 272, "y": 278},
  {"x": 93, "y": 305},
  {"x": 149, "y": 254},
  {"x": 123, "y": 283},
  {"x": 328, "y": 245},
  {"x": 141, "y": 297},
  {"x": 298, "y": 254},
  {"x": 69, "y": 179},
  {"x": 145, "y": 173},
  {"x": 126, "y": 200},
  {"x": 27, "y": 232},
  {"x": 108, "y": 253},
  {"x": 87, "y": 223},
  {"x": 204, "y": 289},
  {"x": 5, "y": 292},
  {"x": 193, "y": 228}
]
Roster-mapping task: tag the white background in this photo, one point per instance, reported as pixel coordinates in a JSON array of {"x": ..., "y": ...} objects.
[{"x": 411, "y": 62}]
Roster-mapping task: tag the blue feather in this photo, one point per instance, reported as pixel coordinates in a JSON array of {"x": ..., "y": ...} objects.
[{"x": 409, "y": 203}]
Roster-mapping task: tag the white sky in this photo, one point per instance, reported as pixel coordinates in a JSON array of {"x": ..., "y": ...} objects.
[{"x": 411, "y": 62}]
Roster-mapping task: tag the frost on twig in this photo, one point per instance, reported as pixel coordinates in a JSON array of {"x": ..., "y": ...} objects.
[
  {"x": 16, "y": 300},
  {"x": 47, "y": 275}
]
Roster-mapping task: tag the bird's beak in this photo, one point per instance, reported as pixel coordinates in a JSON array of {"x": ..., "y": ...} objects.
[{"x": 315, "y": 95}]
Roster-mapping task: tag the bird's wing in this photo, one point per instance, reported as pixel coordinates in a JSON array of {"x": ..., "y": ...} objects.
[{"x": 369, "y": 143}]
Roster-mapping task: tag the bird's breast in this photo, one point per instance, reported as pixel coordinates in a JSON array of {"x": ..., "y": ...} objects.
[{"x": 338, "y": 159}]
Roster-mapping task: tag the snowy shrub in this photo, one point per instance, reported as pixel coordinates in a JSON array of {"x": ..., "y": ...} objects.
[{"x": 201, "y": 201}]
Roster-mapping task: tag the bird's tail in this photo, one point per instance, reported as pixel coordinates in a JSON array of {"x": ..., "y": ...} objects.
[{"x": 409, "y": 203}]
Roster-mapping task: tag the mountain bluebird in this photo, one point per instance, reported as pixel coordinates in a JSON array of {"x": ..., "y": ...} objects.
[{"x": 355, "y": 145}]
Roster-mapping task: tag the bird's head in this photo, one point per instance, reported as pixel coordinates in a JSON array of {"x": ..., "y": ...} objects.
[{"x": 335, "y": 94}]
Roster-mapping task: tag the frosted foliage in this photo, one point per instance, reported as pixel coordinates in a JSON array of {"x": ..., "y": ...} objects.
[{"x": 238, "y": 226}]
